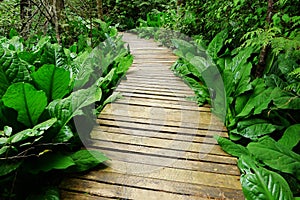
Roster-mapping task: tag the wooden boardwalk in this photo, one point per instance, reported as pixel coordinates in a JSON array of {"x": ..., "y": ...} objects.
[{"x": 161, "y": 145}]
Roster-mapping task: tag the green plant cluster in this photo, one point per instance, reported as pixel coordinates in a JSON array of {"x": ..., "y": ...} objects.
[
  {"x": 45, "y": 88},
  {"x": 126, "y": 14},
  {"x": 261, "y": 114}
]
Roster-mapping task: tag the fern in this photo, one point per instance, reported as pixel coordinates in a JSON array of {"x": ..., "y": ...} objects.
[
  {"x": 295, "y": 73},
  {"x": 280, "y": 44},
  {"x": 294, "y": 87},
  {"x": 260, "y": 37}
]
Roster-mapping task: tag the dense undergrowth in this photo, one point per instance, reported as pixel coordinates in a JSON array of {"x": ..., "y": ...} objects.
[{"x": 50, "y": 95}]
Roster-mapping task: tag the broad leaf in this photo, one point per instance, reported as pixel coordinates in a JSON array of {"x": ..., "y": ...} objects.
[
  {"x": 54, "y": 54},
  {"x": 54, "y": 81},
  {"x": 200, "y": 63},
  {"x": 254, "y": 128},
  {"x": 274, "y": 81},
  {"x": 112, "y": 98},
  {"x": 49, "y": 161},
  {"x": 288, "y": 102},
  {"x": 65, "y": 109},
  {"x": 285, "y": 100},
  {"x": 276, "y": 156},
  {"x": 86, "y": 159},
  {"x": 12, "y": 69},
  {"x": 261, "y": 184},
  {"x": 232, "y": 148},
  {"x": 7, "y": 166},
  {"x": 258, "y": 102},
  {"x": 36, "y": 131},
  {"x": 240, "y": 60},
  {"x": 27, "y": 101},
  {"x": 217, "y": 43},
  {"x": 291, "y": 137},
  {"x": 183, "y": 47},
  {"x": 64, "y": 135},
  {"x": 242, "y": 79}
]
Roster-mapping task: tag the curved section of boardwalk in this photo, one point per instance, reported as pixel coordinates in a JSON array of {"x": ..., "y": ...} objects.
[{"x": 161, "y": 145}]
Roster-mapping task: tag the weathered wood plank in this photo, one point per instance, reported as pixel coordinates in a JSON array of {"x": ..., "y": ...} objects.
[
  {"x": 164, "y": 185},
  {"x": 123, "y": 192}
]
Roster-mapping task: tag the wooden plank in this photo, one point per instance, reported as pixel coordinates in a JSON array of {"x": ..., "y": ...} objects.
[
  {"x": 121, "y": 192},
  {"x": 204, "y": 154},
  {"x": 126, "y": 94},
  {"x": 80, "y": 195},
  {"x": 158, "y": 103},
  {"x": 158, "y": 161},
  {"x": 200, "y": 129},
  {"x": 173, "y": 187},
  {"x": 169, "y": 93},
  {"x": 198, "y": 138},
  {"x": 174, "y": 143},
  {"x": 201, "y": 120},
  {"x": 140, "y": 88},
  {"x": 154, "y": 85},
  {"x": 188, "y": 127},
  {"x": 176, "y": 175}
]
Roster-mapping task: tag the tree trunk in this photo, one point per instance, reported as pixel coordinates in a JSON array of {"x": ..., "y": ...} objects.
[
  {"x": 100, "y": 9},
  {"x": 58, "y": 6},
  {"x": 265, "y": 49},
  {"x": 25, "y": 14},
  {"x": 56, "y": 22}
]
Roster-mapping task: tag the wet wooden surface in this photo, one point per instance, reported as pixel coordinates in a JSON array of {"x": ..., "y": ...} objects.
[{"x": 160, "y": 144}]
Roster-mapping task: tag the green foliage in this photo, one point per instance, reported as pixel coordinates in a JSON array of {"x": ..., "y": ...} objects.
[
  {"x": 257, "y": 111},
  {"x": 43, "y": 88},
  {"x": 126, "y": 14},
  {"x": 260, "y": 183},
  {"x": 27, "y": 101},
  {"x": 9, "y": 19}
]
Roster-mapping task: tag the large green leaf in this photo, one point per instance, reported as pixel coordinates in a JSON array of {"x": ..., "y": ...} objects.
[
  {"x": 254, "y": 128},
  {"x": 261, "y": 184},
  {"x": 232, "y": 148},
  {"x": 8, "y": 166},
  {"x": 288, "y": 101},
  {"x": 285, "y": 100},
  {"x": 86, "y": 159},
  {"x": 240, "y": 60},
  {"x": 84, "y": 69},
  {"x": 242, "y": 79},
  {"x": 27, "y": 101},
  {"x": 115, "y": 96},
  {"x": 276, "y": 156},
  {"x": 217, "y": 43},
  {"x": 257, "y": 102},
  {"x": 36, "y": 131},
  {"x": 291, "y": 137},
  {"x": 200, "y": 63},
  {"x": 183, "y": 47},
  {"x": 65, "y": 109},
  {"x": 49, "y": 161},
  {"x": 124, "y": 64},
  {"x": 54, "y": 81},
  {"x": 54, "y": 54},
  {"x": 12, "y": 69}
]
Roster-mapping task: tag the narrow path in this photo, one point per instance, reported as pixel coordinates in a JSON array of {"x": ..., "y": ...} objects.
[{"x": 161, "y": 145}]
